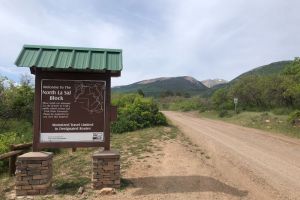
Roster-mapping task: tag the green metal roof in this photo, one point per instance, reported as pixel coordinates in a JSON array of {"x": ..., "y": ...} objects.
[{"x": 70, "y": 58}]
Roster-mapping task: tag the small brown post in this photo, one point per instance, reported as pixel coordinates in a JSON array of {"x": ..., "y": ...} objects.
[{"x": 12, "y": 165}]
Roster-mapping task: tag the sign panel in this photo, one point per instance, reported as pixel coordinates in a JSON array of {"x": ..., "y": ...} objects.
[
  {"x": 72, "y": 111},
  {"x": 235, "y": 100}
]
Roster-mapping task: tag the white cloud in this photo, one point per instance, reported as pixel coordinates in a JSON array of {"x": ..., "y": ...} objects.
[{"x": 204, "y": 39}]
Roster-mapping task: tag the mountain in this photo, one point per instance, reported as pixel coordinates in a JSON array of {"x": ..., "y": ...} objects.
[
  {"x": 187, "y": 84},
  {"x": 154, "y": 87},
  {"x": 213, "y": 82},
  {"x": 265, "y": 70}
]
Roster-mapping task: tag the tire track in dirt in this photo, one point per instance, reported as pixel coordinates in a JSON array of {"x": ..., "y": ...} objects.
[{"x": 267, "y": 165}]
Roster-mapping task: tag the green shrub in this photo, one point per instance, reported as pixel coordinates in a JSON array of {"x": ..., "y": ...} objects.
[
  {"x": 293, "y": 117},
  {"x": 282, "y": 111},
  {"x": 6, "y": 139},
  {"x": 224, "y": 113},
  {"x": 180, "y": 103},
  {"x": 136, "y": 112}
]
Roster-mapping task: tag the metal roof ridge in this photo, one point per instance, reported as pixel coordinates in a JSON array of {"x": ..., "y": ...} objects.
[{"x": 70, "y": 48}]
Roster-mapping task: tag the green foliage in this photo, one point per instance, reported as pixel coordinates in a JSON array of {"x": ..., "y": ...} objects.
[
  {"x": 140, "y": 92},
  {"x": 15, "y": 132},
  {"x": 263, "y": 92},
  {"x": 293, "y": 68},
  {"x": 282, "y": 111},
  {"x": 70, "y": 186},
  {"x": 180, "y": 103},
  {"x": 6, "y": 140},
  {"x": 222, "y": 100},
  {"x": 266, "y": 70},
  {"x": 136, "y": 112},
  {"x": 16, "y": 100},
  {"x": 294, "y": 117},
  {"x": 167, "y": 93},
  {"x": 224, "y": 113},
  {"x": 16, "y": 105},
  {"x": 261, "y": 120}
]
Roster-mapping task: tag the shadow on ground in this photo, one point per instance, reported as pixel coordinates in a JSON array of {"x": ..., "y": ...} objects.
[{"x": 182, "y": 184}]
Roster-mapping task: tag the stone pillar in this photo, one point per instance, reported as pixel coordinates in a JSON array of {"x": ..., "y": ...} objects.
[
  {"x": 106, "y": 169},
  {"x": 33, "y": 173}
]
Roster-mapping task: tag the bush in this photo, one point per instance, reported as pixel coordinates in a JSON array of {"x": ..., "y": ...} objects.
[
  {"x": 294, "y": 117},
  {"x": 282, "y": 111},
  {"x": 224, "y": 113},
  {"x": 179, "y": 103},
  {"x": 6, "y": 139},
  {"x": 136, "y": 112}
]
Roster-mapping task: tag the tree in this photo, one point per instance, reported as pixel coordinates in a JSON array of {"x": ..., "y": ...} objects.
[
  {"x": 187, "y": 95},
  {"x": 179, "y": 94},
  {"x": 17, "y": 101},
  {"x": 166, "y": 93},
  {"x": 221, "y": 99},
  {"x": 140, "y": 92},
  {"x": 249, "y": 90}
]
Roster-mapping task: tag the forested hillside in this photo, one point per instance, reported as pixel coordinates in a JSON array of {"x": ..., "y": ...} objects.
[
  {"x": 279, "y": 89},
  {"x": 165, "y": 86},
  {"x": 265, "y": 70}
]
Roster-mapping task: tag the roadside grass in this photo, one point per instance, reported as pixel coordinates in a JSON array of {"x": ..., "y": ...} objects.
[
  {"x": 72, "y": 170},
  {"x": 267, "y": 121}
]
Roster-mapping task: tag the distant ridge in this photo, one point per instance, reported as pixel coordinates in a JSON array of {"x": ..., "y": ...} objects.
[
  {"x": 187, "y": 84},
  {"x": 265, "y": 70},
  {"x": 154, "y": 87}
]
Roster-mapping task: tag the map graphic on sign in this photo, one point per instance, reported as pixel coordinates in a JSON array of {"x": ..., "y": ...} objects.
[{"x": 90, "y": 96}]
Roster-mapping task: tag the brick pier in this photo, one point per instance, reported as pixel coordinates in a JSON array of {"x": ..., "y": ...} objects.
[
  {"x": 106, "y": 169},
  {"x": 33, "y": 173}
]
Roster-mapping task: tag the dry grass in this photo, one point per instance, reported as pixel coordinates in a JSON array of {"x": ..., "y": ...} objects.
[
  {"x": 261, "y": 120},
  {"x": 73, "y": 169}
]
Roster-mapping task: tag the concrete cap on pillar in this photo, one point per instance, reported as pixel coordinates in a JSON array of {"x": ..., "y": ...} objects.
[
  {"x": 36, "y": 156},
  {"x": 107, "y": 154}
]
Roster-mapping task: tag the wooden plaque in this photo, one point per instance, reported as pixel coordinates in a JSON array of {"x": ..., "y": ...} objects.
[{"x": 71, "y": 111}]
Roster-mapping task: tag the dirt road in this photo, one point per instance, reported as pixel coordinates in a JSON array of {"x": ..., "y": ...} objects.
[
  {"x": 210, "y": 160},
  {"x": 265, "y": 165}
]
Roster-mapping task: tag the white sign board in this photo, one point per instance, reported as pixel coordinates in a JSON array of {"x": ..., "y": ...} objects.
[{"x": 235, "y": 100}]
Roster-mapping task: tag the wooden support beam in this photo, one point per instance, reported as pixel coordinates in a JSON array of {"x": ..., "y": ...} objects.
[
  {"x": 21, "y": 146},
  {"x": 9, "y": 154}
]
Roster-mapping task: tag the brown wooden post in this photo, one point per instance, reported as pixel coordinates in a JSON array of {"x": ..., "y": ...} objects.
[
  {"x": 12, "y": 163},
  {"x": 36, "y": 113},
  {"x": 107, "y": 112}
]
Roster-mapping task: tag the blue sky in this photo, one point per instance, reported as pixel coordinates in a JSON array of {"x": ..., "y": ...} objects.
[{"x": 203, "y": 39}]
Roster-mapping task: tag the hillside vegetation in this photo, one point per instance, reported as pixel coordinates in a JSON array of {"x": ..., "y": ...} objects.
[
  {"x": 158, "y": 87},
  {"x": 189, "y": 86},
  {"x": 263, "y": 92},
  {"x": 136, "y": 112},
  {"x": 265, "y": 70}
]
